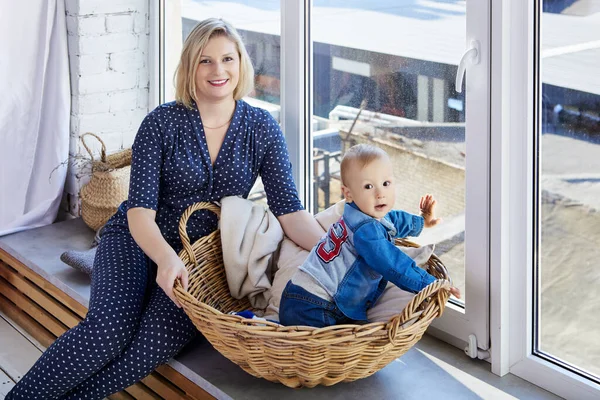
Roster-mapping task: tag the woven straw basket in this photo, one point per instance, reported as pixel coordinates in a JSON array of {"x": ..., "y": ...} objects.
[
  {"x": 296, "y": 355},
  {"x": 108, "y": 186}
]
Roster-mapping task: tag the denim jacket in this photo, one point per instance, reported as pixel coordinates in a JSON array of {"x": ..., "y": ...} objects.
[{"x": 355, "y": 260}]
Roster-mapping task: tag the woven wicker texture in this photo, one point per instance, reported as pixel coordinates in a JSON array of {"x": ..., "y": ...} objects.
[
  {"x": 108, "y": 186},
  {"x": 296, "y": 355}
]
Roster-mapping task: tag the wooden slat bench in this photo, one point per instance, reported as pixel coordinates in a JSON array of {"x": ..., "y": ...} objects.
[{"x": 46, "y": 311}]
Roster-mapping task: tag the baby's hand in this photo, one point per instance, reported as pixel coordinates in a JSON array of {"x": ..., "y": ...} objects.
[
  {"x": 427, "y": 206},
  {"x": 455, "y": 291}
]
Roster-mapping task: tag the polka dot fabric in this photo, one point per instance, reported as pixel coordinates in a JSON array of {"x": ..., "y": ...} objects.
[
  {"x": 132, "y": 326},
  {"x": 171, "y": 166}
]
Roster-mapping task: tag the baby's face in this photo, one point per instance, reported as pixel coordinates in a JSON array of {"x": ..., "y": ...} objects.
[{"x": 372, "y": 187}]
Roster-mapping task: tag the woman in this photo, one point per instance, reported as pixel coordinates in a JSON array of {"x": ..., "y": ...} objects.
[{"x": 206, "y": 145}]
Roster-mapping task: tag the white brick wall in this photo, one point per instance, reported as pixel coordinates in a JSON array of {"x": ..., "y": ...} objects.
[
  {"x": 124, "y": 101},
  {"x": 125, "y": 61},
  {"x": 108, "y": 43},
  {"x": 93, "y": 7},
  {"x": 104, "y": 82},
  {"x": 120, "y": 23},
  {"x": 108, "y": 58},
  {"x": 92, "y": 64}
]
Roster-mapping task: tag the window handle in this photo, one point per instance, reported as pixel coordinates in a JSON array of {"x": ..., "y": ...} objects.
[{"x": 471, "y": 56}]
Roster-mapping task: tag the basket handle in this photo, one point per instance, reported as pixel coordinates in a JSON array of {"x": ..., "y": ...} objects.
[
  {"x": 103, "y": 151},
  {"x": 412, "y": 307},
  {"x": 435, "y": 266},
  {"x": 185, "y": 240}
]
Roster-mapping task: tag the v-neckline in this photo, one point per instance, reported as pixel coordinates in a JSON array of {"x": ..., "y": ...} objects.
[{"x": 225, "y": 138}]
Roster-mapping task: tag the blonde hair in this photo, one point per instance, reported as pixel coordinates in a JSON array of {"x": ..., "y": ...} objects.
[
  {"x": 185, "y": 82},
  {"x": 361, "y": 155}
]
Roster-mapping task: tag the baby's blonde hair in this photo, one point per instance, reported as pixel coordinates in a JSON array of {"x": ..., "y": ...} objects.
[
  {"x": 362, "y": 155},
  {"x": 185, "y": 74}
]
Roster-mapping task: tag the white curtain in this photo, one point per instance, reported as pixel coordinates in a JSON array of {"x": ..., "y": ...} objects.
[{"x": 34, "y": 112}]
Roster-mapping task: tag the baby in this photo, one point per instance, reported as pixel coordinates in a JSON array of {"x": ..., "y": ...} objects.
[{"x": 347, "y": 271}]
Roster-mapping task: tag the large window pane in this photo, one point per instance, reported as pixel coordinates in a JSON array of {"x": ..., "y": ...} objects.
[
  {"x": 568, "y": 304},
  {"x": 384, "y": 74},
  {"x": 258, "y": 22}
]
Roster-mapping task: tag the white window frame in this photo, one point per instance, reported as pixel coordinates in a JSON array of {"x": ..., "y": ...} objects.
[
  {"x": 165, "y": 46},
  {"x": 296, "y": 90},
  {"x": 458, "y": 323},
  {"x": 514, "y": 96},
  {"x": 155, "y": 73}
]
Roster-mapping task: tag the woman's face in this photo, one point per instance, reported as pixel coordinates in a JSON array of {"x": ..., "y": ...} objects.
[{"x": 218, "y": 72}]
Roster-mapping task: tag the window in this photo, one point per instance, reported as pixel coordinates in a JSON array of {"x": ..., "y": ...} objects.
[
  {"x": 567, "y": 305},
  {"x": 544, "y": 193},
  {"x": 387, "y": 86},
  {"x": 402, "y": 83},
  {"x": 259, "y": 26},
  {"x": 257, "y": 22}
]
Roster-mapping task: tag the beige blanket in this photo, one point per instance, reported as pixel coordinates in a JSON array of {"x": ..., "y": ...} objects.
[{"x": 250, "y": 235}]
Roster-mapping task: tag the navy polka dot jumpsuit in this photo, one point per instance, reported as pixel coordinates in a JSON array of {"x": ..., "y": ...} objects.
[{"x": 132, "y": 326}]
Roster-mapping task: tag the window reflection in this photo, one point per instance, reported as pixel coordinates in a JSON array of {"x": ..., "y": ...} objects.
[{"x": 397, "y": 97}]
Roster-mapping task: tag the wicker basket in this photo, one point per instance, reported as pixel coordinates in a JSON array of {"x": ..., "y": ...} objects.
[
  {"x": 296, "y": 355},
  {"x": 108, "y": 186}
]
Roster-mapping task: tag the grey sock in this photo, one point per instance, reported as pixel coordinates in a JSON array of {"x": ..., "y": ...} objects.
[{"x": 81, "y": 260}]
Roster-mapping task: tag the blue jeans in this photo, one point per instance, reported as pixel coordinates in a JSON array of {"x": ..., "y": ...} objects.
[{"x": 300, "y": 307}]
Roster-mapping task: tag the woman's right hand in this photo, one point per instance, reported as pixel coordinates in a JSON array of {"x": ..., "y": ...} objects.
[
  {"x": 169, "y": 269},
  {"x": 146, "y": 234}
]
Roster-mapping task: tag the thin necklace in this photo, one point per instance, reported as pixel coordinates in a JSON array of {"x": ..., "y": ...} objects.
[{"x": 220, "y": 126}]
